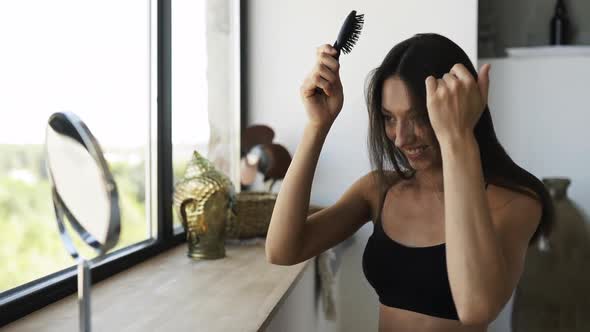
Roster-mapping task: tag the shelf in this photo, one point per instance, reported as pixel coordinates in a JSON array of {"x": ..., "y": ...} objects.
[
  {"x": 544, "y": 51},
  {"x": 171, "y": 292}
]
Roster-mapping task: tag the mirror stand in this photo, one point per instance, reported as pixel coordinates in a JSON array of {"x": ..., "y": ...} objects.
[
  {"x": 84, "y": 282},
  {"x": 83, "y": 275}
]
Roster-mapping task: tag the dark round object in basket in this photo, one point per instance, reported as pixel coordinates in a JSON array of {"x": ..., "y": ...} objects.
[
  {"x": 274, "y": 161},
  {"x": 255, "y": 135}
]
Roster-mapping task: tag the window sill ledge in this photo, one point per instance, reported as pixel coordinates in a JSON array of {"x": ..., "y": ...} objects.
[{"x": 171, "y": 292}]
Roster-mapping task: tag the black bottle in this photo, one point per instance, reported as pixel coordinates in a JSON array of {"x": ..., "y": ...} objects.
[{"x": 559, "y": 25}]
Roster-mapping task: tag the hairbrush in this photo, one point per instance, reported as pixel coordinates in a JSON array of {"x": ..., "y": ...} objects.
[
  {"x": 349, "y": 33},
  {"x": 347, "y": 37}
]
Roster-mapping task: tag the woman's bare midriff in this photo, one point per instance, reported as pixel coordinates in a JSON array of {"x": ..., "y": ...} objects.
[{"x": 400, "y": 320}]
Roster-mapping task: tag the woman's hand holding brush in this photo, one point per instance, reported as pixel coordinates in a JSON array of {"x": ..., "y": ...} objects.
[{"x": 321, "y": 91}]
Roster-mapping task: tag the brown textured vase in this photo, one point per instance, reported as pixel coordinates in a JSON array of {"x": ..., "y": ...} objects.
[{"x": 553, "y": 293}]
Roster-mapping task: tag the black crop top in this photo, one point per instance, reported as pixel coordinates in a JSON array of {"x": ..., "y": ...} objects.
[{"x": 410, "y": 278}]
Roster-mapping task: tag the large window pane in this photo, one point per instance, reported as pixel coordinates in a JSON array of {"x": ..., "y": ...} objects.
[
  {"x": 206, "y": 85},
  {"x": 190, "y": 123},
  {"x": 90, "y": 58}
]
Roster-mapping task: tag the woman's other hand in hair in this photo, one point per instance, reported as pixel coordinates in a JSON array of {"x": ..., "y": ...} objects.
[{"x": 456, "y": 101}]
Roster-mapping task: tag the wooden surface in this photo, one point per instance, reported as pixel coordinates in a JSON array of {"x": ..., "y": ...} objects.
[{"x": 171, "y": 292}]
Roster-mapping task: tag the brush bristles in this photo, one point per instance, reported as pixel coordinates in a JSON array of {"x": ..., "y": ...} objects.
[{"x": 357, "y": 27}]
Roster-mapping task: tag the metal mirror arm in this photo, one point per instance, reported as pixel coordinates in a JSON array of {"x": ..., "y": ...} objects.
[{"x": 59, "y": 215}]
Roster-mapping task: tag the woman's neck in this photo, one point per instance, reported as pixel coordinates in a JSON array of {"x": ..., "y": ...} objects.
[{"x": 429, "y": 180}]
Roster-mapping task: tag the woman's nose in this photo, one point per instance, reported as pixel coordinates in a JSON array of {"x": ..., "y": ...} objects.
[{"x": 404, "y": 133}]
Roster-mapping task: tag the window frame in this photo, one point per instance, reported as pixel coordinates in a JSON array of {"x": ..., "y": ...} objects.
[{"x": 27, "y": 298}]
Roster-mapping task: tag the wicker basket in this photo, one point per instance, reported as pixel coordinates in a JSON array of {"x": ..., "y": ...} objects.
[
  {"x": 253, "y": 213},
  {"x": 254, "y": 210}
]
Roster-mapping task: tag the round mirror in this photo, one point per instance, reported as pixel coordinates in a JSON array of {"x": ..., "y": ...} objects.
[
  {"x": 82, "y": 186},
  {"x": 84, "y": 195}
]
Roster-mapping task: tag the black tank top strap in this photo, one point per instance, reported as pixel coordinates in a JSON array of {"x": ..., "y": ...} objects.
[{"x": 380, "y": 211}]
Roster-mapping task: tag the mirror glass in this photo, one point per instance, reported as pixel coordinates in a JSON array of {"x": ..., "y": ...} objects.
[{"x": 82, "y": 185}]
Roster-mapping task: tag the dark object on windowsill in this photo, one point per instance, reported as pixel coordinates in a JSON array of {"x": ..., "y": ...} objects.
[
  {"x": 560, "y": 25},
  {"x": 255, "y": 135},
  {"x": 272, "y": 160}
]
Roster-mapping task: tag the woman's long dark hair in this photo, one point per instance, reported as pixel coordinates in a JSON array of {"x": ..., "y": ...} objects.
[{"x": 412, "y": 61}]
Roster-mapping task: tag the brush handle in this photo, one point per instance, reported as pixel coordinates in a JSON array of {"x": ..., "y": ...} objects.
[{"x": 338, "y": 48}]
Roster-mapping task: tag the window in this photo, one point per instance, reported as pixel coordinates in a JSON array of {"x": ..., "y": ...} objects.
[
  {"x": 118, "y": 65},
  {"x": 65, "y": 58},
  {"x": 190, "y": 119},
  {"x": 205, "y": 85}
]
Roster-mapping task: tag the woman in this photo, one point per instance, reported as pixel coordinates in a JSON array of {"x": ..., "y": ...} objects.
[{"x": 453, "y": 214}]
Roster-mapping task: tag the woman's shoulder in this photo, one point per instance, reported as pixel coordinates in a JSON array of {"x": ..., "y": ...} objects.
[
  {"x": 375, "y": 184},
  {"x": 502, "y": 196},
  {"x": 375, "y": 181},
  {"x": 388, "y": 175},
  {"x": 520, "y": 204}
]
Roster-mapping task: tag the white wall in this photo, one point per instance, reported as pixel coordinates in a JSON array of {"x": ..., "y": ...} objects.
[
  {"x": 540, "y": 111},
  {"x": 299, "y": 310},
  {"x": 283, "y": 36},
  {"x": 539, "y": 107}
]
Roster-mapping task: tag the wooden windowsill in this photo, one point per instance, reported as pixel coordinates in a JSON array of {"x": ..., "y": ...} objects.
[{"x": 171, "y": 292}]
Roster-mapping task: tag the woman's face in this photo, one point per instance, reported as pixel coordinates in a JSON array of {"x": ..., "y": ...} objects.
[{"x": 407, "y": 128}]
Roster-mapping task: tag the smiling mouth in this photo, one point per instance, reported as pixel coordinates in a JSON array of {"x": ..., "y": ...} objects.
[{"x": 416, "y": 151}]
